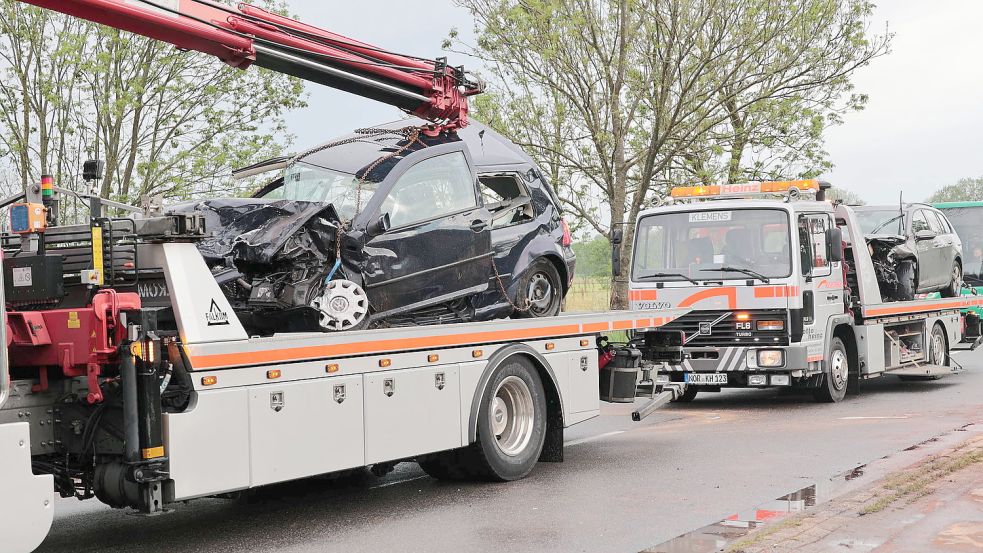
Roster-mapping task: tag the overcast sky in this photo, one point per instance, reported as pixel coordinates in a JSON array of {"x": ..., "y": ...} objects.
[{"x": 922, "y": 129}]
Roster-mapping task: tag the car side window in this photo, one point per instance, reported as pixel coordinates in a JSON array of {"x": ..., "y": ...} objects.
[
  {"x": 940, "y": 223},
  {"x": 438, "y": 186},
  {"x": 919, "y": 222}
]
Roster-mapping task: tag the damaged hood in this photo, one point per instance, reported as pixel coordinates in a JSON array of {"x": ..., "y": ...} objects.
[
  {"x": 264, "y": 232},
  {"x": 886, "y": 239}
]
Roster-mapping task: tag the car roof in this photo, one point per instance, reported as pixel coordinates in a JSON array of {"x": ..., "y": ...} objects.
[
  {"x": 895, "y": 207},
  {"x": 353, "y": 152},
  {"x": 950, "y": 205}
]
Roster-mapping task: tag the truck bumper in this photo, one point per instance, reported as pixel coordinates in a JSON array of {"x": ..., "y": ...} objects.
[
  {"x": 26, "y": 501},
  {"x": 736, "y": 359}
]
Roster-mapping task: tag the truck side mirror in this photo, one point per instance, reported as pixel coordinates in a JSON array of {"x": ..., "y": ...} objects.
[
  {"x": 617, "y": 238},
  {"x": 379, "y": 226},
  {"x": 834, "y": 237}
]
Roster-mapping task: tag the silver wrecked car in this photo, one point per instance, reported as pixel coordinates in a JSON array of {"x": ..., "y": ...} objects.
[{"x": 915, "y": 250}]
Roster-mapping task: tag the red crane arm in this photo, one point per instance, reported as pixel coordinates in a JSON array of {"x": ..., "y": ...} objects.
[{"x": 249, "y": 35}]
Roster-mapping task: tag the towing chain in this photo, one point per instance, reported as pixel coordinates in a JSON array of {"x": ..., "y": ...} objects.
[{"x": 501, "y": 286}]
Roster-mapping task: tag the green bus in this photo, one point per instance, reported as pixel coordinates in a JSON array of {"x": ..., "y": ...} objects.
[{"x": 967, "y": 219}]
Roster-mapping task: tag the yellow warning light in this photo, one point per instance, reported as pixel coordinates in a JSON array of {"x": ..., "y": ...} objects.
[
  {"x": 209, "y": 380},
  {"x": 743, "y": 316},
  {"x": 477, "y": 353},
  {"x": 433, "y": 358},
  {"x": 550, "y": 346},
  {"x": 273, "y": 374},
  {"x": 745, "y": 188},
  {"x": 332, "y": 368},
  {"x": 584, "y": 343},
  {"x": 385, "y": 362}
]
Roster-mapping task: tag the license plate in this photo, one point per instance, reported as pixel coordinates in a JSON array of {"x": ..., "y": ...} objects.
[{"x": 712, "y": 379}]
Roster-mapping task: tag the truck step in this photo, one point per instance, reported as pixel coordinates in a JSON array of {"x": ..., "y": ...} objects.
[{"x": 921, "y": 370}]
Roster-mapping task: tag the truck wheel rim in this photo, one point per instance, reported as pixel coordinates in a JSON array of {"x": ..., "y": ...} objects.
[
  {"x": 512, "y": 414},
  {"x": 838, "y": 369},
  {"x": 938, "y": 349}
]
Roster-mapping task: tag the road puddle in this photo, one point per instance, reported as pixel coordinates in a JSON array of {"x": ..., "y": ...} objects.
[{"x": 719, "y": 535}]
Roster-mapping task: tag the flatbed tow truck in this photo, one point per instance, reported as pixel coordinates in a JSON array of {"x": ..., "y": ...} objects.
[
  {"x": 144, "y": 407},
  {"x": 782, "y": 292}
]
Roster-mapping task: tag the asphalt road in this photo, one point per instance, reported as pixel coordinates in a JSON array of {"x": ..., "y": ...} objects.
[{"x": 624, "y": 486}]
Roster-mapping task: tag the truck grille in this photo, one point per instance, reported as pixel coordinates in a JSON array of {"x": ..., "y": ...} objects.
[{"x": 725, "y": 331}]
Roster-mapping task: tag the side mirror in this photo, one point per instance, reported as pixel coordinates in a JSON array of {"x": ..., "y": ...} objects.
[
  {"x": 617, "y": 238},
  {"x": 834, "y": 237},
  {"x": 379, "y": 226},
  {"x": 925, "y": 234}
]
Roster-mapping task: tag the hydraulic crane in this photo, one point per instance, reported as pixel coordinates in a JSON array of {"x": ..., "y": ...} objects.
[{"x": 248, "y": 35}]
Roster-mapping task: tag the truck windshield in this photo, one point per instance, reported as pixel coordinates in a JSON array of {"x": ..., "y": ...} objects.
[
  {"x": 711, "y": 244},
  {"x": 968, "y": 222},
  {"x": 309, "y": 183},
  {"x": 881, "y": 221}
]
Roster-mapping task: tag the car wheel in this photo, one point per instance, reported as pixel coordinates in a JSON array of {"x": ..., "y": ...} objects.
[
  {"x": 833, "y": 385},
  {"x": 542, "y": 289},
  {"x": 955, "y": 283},
  {"x": 906, "y": 280}
]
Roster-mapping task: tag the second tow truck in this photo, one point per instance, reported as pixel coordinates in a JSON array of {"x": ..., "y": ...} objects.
[{"x": 782, "y": 292}]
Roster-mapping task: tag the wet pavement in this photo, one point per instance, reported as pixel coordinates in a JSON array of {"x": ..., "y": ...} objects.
[
  {"x": 624, "y": 486},
  {"x": 934, "y": 505}
]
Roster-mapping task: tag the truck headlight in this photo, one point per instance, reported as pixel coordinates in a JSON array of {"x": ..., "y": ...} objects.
[
  {"x": 771, "y": 325},
  {"x": 771, "y": 358}
]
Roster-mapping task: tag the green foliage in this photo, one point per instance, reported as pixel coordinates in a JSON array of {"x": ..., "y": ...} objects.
[
  {"x": 966, "y": 190},
  {"x": 166, "y": 122},
  {"x": 619, "y": 99},
  {"x": 593, "y": 257}
]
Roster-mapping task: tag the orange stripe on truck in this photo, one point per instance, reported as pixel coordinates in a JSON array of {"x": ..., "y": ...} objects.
[
  {"x": 643, "y": 295},
  {"x": 200, "y": 362},
  {"x": 955, "y": 303},
  {"x": 728, "y": 292},
  {"x": 776, "y": 291}
]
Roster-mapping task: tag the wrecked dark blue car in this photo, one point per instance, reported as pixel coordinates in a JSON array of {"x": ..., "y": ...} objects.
[{"x": 391, "y": 227}]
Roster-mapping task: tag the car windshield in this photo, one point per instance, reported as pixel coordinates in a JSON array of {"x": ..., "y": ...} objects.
[
  {"x": 968, "y": 222},
  {"x": 309, "y": 183},
  {"x": 881, "y": 221},
  {"x": 713, "y": 245}
]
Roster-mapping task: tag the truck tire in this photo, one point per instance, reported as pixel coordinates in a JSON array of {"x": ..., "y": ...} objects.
[
  {"x": 955, "y": 286},
  {"x": 906, "y": 280},
  {"x": 688, "y": 395},
  {"x": 835, "y": 381},
  {"x": 511, "y": 429}
]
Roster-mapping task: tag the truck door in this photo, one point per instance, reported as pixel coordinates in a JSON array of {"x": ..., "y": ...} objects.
[
  {"x": 439, "y": 241},
  {"x": 823, "y": 286}
]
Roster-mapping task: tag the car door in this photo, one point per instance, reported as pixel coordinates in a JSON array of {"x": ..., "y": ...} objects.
[
  {"x": 438, "y": 246},
  {"x": 949, "y": 245},
  {"x": 926, "y": 250}
]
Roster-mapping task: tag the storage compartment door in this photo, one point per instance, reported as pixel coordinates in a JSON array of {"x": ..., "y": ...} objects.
[
  {"x": 412, "y": 411},
  {"x": 300, "y": 429},
  {"x": 580, "y": 369}
]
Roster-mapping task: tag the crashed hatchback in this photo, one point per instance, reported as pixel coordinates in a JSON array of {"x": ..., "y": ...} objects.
[{"x": 392, "y": 227}]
